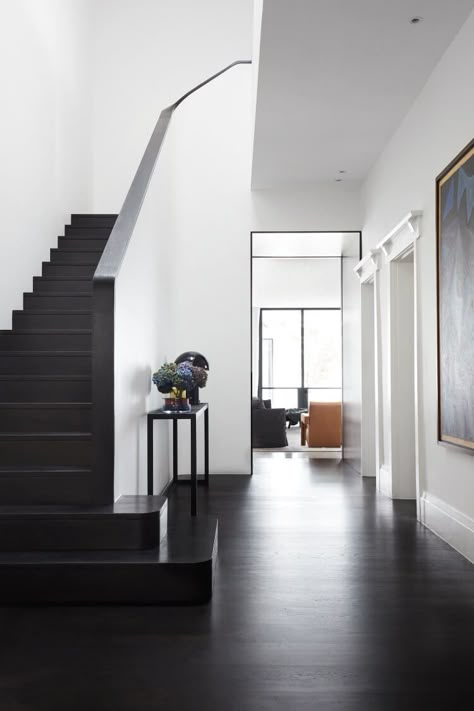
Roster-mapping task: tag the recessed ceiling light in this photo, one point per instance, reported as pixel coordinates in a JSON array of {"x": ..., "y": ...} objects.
[
  {"x": 416, "y": 20},
  {"x": 342, "y": 172},
  {"x": 338, "y": 180}
]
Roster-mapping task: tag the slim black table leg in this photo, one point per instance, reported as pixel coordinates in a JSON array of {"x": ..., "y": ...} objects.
[
  {"x": 206, "y": 446},
  {"x": 175, "y": 450},
  {"x": 193, "y": 468},
  {"x": 150, "y": 456}
]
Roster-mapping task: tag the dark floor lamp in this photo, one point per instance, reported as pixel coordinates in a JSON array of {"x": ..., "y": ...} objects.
[{"x": 199, "y": 361}]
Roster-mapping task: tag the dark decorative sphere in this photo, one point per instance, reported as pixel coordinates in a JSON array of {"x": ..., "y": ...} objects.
[{"x": 195, "y": 358}]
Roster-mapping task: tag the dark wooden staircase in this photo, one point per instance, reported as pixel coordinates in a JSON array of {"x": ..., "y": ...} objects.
[
  {"x": 58, "y": 541},
  {"x": 45, "y": 376}
]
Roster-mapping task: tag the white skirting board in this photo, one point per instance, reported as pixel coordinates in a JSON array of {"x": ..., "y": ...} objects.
[{"x": 448, "y": 523}]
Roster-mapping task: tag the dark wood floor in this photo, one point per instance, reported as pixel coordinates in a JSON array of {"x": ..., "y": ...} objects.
[{"x": 328, "y": 597}]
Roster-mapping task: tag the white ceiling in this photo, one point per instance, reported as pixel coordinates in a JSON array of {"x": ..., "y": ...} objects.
[{"x": 336, "y": 77}]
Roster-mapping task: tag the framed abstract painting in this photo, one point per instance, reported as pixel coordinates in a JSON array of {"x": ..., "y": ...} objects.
[{"x": 455, "y": 236}]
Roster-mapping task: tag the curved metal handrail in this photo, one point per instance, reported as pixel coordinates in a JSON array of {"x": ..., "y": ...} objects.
[
  {"x": 103, "y": 290},
  {"x": 117, "y": 244}
]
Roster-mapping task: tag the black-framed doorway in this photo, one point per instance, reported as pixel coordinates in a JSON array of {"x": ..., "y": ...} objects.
[{"x": 348, "y": 260}]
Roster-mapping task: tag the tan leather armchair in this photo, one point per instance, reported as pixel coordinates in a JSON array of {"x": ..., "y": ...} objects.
[{"x": 322, "y": 426}]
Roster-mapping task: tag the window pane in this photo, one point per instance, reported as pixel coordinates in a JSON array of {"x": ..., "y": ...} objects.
[
  {"x": 322, "y": 349},
  {"x": 281, "y": 348},
  {"x": 324, "y": 395},
  {"x": 281, "y": 398}
]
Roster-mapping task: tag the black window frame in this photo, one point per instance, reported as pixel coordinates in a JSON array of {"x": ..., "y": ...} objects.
[{"x": 302, "y": 389}]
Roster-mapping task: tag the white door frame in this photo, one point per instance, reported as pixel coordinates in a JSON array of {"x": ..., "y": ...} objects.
[
  {"x": 399, "y": 243},
  {"x": 395, "y": 246},
  {"x": 367, "y": 271}
]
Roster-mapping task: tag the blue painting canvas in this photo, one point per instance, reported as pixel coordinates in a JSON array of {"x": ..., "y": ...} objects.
[{"x": 456, "y": 301}]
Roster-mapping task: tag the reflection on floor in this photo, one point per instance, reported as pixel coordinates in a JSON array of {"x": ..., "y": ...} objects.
[
  {"x": 294, "y": 445},
  {"x": 328, "y": 596}
]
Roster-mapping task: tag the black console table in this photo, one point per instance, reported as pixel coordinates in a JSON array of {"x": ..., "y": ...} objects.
[{"x": 193, "y": 414}]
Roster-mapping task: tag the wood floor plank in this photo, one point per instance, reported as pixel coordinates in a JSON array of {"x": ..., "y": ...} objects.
[{"x": 328, "y": 597}]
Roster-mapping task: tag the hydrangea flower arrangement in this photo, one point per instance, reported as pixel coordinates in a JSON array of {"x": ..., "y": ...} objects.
[
  {"x": 177, "y": 379},
  {"x": 164, "y": 377}
]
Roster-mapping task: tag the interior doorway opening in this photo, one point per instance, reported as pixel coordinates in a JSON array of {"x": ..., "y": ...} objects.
[
  {"x": 369, "y": 428},
  {"x": 297, "y": 341},
  {"x": 403, "y": 444}
]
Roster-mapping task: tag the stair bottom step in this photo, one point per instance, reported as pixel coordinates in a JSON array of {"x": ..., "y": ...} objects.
[
  {"x": 131, "y": 523},
  {"x": 178, "y": 572}
]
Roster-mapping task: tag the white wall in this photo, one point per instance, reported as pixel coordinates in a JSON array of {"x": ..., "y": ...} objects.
[
  {"x": 368, "y": 393},
  {"x": 437, "y": 127},
  {"x": 214, "y": 218},
  {"x": 147, "y": 54},
  {"x": 45, "y": 137},
  {"x": 320, "y": 207},
  {"x": 351, "y": 364},
  {"x": 143, "y": 333},
  {"x": 402, "y": 285},
  {"x": 296, "y": 282},
  {"x": 212, "y": 252}
]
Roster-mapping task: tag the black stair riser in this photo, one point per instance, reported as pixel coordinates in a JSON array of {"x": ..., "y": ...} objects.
[
  {"x": 80, "y": 231},
  {"x": 82, "y": 243},
  {"x": 69, "y": 256},
  {"x": 78, "y": 286},
  {"x": 46, "y": 390},
  {"x": 38, "y": 364},
  {"x": 57, "y": 301},
  {"x": 49, "y": 452},
  {"x": 65, "y": 534},
  {"x": 93, "y": 220},
  {"x": 16, "y": 341},
  {"x": 126, "y": 577},
  {"x": 45, "y": 488},
  {"x": 45, "y": 419},
  {"x": 111, "y": 583},
  {"x": 30, "y": 319},
  {"x": 68, "y": 270}
]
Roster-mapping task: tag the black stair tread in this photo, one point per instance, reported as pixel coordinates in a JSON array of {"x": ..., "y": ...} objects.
[
  {"x": 45, "y": 436},
  {"x": 65, "y": 278},
  {"x": 85, "y": 237},
  {"x": 93, "y": 220},
  {"x": 28, "y": 353},
  {"x": 46, "y": 405},
  {"x": 91, "y": 215},
  {"x": 61, "y": 470},
  {"x": 87, "y": 245},
  {"x": 99, "y": 225},
  {"x": 189, "y": 541},
  {"x": 125, "y": 506},
  {"x": 82, "y": 247},
  {"x": 58, "y": 263},
  {"x": 54, "y": 312},
  {"x": 59, "y": 294},
  {"x": 92, "y": 250},
  {"x": 44, "y": 331},
  {"x": 81, "y": 230},
  {"x": 67, "y": 286},
  {"x": 16, "y": 376}
]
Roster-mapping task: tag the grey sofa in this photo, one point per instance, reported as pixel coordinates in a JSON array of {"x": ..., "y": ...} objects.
[{"x": 268, "y": 425}]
